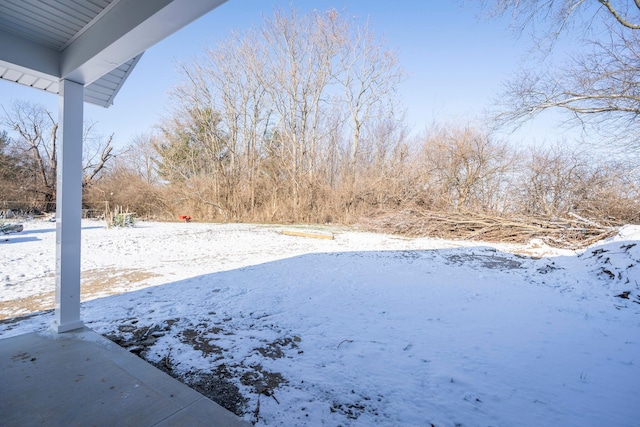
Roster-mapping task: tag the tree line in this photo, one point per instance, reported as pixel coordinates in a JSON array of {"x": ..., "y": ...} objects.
[{"x": 298, "y": 120}]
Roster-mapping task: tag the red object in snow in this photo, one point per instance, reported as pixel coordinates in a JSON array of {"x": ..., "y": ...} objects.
[{"x": 185, "y": 218}]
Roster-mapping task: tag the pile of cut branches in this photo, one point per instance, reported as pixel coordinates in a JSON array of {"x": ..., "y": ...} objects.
[{"x": 573, "y": 232}]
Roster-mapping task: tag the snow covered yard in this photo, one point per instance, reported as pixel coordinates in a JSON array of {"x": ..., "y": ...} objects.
[{"x": 362, "y": 330}]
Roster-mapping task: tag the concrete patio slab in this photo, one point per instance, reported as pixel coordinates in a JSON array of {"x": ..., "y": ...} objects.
[{"x": 80, "y": 378}]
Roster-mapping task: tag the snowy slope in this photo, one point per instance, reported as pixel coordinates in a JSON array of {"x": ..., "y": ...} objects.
[{"x": 364, "y": 329}]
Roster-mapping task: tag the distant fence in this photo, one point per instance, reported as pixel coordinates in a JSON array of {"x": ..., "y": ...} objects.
[
  {"x": 93, "y": 213},
  {"x": 13, "y": 209},
  {"x": 18, "y": 209}
]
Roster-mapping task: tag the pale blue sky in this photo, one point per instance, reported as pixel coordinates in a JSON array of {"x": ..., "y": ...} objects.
[{"x": 455, "y": 62}]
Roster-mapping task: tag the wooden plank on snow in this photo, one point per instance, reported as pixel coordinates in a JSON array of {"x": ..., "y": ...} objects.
[{"x": 313, "y": 234}]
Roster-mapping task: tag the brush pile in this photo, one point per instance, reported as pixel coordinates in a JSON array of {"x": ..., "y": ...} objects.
[{"x": 569, "y": 233}]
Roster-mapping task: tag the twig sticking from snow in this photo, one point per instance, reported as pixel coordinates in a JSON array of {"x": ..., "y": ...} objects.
[
  {"x": 344, "y": 341},
  {"x": 256, "y": 412},
  {"x": 167, "y": 360}
]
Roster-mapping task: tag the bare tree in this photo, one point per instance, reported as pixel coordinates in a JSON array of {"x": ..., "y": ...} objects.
[
  {"x": 36, "y": 140},
  {"x": 96, "y": 153},
  {"x": 549, "y": 179},
  {"x": 227, "y": 79},
  {"x": 550, "y": 18},
  {"x": 35, "y": 144},
  {"x": 466, "y": 169},
  {"x": 369, "y": 74},
  {"x": 298, "y": 52},
  {"x": 598, "y": 84},
  {"x": 131, "y": 181},
  {"x": 141, "y": 158},
  {"x": 561, "y": 180}
]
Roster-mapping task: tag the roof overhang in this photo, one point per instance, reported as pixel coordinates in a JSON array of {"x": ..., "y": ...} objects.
[{"x": 96, "y": 43}]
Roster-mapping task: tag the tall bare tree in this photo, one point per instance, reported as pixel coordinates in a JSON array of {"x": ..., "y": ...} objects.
[
  {"x": 598, "y": 84},
  {"x": 299, "y": 52},
  {"x": 369, "y": 74},
  {"x": 227, "y": 79}
]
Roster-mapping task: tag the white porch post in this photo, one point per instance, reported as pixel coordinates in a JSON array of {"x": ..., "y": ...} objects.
[{"x": 69, "y": 207}]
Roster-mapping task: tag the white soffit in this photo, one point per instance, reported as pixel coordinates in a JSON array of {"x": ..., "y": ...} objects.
[{"x": 93, "y": 42}]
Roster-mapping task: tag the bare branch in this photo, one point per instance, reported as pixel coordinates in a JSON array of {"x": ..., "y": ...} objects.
[
  {"x": 105, "y": 155},
  {"x": 618, "y": 16}
]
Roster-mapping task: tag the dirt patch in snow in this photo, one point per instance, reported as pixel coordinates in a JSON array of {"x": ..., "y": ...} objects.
[
  {"x": 219, "y": 384},
  {"x": 94, "y": 284},
  {"x": 491, "y": 261},
  {"x": 139, "y": 340},
  {"x": 24, "y": 306},
  {"x": 108, "y": 281}
]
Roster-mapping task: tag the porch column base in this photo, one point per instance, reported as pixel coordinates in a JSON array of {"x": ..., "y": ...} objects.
[{"x": 67, "y": 326}]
